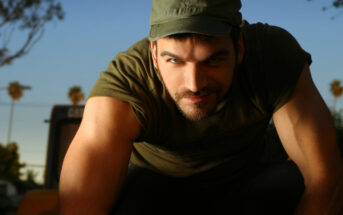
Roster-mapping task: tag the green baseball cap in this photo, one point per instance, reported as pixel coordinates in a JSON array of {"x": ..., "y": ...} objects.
[{"x": 208, "y": 17}]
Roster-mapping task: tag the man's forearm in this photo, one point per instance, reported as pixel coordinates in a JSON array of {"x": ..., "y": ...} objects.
[{"x": 324, "y": 198}]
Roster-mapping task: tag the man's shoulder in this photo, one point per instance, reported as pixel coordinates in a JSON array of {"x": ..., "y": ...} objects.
[
  {"x": 139, "y": 49},
  {"x": 273, "y": 62},
  {"x": 142, "y": 44},
  {"x": 137, "y": 54},
  {"x": 260, "y": 27},
  {"x": 264, "y": 34},
  {"x": 272, "y": 43},
  {"x": 136, "y": 62}
]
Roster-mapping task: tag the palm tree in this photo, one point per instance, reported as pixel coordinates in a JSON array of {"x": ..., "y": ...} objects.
[
  {"x": 337, "y": 91},
  {"x": 15, "y": 91},
  {"x": 75, "y": 95}
]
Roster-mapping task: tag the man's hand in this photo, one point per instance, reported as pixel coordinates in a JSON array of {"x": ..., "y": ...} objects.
[
  {"x": 96, "y": 163},
  {"x": 307, "y": 133}
]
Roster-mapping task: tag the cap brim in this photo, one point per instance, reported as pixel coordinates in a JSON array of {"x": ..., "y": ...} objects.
[{"x": 199, "y": 25}]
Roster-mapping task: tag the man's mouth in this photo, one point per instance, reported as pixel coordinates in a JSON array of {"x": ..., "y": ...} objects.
[{"x": 197, "y": 99}]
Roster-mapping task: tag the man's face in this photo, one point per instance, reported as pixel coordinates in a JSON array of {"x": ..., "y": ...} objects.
[{"x": 196, "y": 73}]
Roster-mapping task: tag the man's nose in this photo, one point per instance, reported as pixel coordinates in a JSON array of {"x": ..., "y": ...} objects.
[{"x": 195, "y": 78}]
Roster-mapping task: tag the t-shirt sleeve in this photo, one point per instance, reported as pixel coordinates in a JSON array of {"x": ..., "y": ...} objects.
[
  {"x": 276, "y": 61},
  {"x": 130, "y": 77}
]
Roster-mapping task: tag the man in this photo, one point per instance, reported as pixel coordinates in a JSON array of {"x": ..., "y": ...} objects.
[{"x": 188, "y": 109}]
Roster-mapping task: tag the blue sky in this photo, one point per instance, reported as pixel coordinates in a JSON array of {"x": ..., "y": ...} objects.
[{"x": 74, "y": 51}]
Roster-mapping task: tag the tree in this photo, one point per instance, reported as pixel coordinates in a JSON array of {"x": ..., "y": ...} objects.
[
  {"x": 335, "y": 3},
  {"x": 338, "y": 117},
  {"x": 31, "y": 176},
  {"x": 337, "y": 91},
  {"x": 75, "y": 95},
  {"x": 29, "y": 16},
  {"x": 9, "y": 161},
  {"x": 338, "y": 4},
  {"x": 15, "y": 91}
]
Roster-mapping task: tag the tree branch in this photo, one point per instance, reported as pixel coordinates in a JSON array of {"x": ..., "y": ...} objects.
[{"x": 29, "y": 15}]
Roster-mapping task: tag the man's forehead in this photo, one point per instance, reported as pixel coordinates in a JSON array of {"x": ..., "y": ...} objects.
[
  {"x": 196, "y": 38},
  {"x": 190, "y": 52},
  {"x": 213, "y": 44}
]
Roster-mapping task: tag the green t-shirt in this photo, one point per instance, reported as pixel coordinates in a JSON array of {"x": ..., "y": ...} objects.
[{"x": 233, "y": 135}]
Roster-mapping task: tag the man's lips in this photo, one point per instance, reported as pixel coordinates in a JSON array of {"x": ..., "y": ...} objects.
[{"x": 196, "y": 99}]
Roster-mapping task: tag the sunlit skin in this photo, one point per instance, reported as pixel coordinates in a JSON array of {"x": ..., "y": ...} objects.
[{"x": 197, "y": 73}]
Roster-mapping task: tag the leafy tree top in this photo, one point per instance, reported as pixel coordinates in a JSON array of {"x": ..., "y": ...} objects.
[
  {"x": 15, "y": 91},
  {"x": 336, "y": 88},
  {"x": 75, "y": 94},
  {"x": 9, "y": 161},
  {"x": 25, "y": 15}
]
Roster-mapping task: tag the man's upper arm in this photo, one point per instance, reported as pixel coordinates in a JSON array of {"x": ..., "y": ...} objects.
[
  {"x": 306, "y": 130},
  {"x": 96, "y": 163}
]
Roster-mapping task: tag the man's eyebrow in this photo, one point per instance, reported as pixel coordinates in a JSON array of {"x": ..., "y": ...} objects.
[
  {"x": 165, "y": 53},
  {"x": 219, "y": 53}
]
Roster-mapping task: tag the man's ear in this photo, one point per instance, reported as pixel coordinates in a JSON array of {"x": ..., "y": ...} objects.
[
  {"x": 240, "y": 49},
  {"x": 153, "y": 47}
]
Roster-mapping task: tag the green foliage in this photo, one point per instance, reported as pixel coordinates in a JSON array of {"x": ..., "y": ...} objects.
[
  {"x": 29, "y": 16},
  {"x": 14, "y": 90},
  {"x": 336, "y": 91},
  {"x": 338, "y": 117},
  {"x": 31, "y": 176},
  {"x": 75, "y": 94},
  {"x": 337, "y": 3},
  {"x": 74, "y": 89},
  {"x": 336, "y": 88},
  {"x": 339, "y": 120},
  {"x": 9, "y": 161}
]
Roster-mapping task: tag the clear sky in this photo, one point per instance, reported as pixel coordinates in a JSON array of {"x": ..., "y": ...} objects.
[{"x": 74, "y": 51}]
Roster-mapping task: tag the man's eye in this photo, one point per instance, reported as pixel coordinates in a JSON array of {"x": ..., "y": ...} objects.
[
  {"x": 213, "y": 61},
  {"x": 174, "y": 60}
]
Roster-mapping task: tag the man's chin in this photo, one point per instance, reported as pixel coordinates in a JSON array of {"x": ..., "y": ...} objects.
[{"x": 195, "y": 113}]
